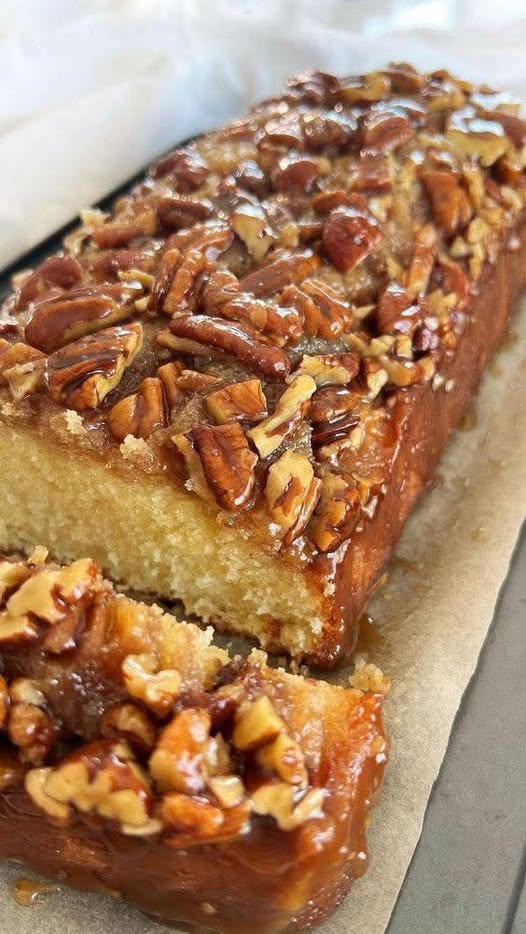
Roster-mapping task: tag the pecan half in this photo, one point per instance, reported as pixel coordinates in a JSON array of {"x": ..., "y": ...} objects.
[
  {"x": 449, "y": 202},
  {"x": 186, "y": 168},
  {"x": 178, "y": 213},
  {"x": 141, "y": 413},
  {"x": 286, "y": 269},
  {"x": 291, "y": 492},
  {"x": 289, "y": 411},
  {"x": 82, "y": 374},
  {"x": 239, "y": 340},
  {"x": 349, "y": 235},
  {"x": 228, "y": 463},
  {"x": 337, "y": 512},
  {"x": 244, "y": 401},
  {"x": 119, "y": 233},
  {"x": 80, "y": 312},
  {"x": 296, "y": 175},
  {"x": 385, "y": 130},
  {"x": 56, "y": 271}
]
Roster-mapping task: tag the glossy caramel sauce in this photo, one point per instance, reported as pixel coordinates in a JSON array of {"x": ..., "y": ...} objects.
[{"x": 25, "y": 892}]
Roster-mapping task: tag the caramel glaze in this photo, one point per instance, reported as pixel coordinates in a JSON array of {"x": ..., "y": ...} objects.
[
  {"x": 425, "y": 420},
  {"x": 262, "y": 880}
]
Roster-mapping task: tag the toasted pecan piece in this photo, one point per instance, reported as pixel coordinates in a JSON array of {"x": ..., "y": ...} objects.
[
  {"x": 239, "y": 340},
  {"x": 56, "y": 271},
  {"x": 227, "y": 461},
  {"x": 290, "y": 409},
  {"x": 140, "y": 413},
  {"x": 77, "y": 313},
  {"x": 286, "y": 269},
  {"x": 82, "y": 374},
  {"x": 291, "y": 492},
  {"x": 349, "y": 234},
  {"x": 243, "y": 401}
]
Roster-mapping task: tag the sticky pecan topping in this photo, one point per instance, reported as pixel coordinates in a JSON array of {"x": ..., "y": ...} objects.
[
  {"x": 238, "y": 340},
  {"x": 82, "y": 374},
  {"x": 291, "y": 492},
  {"x": 141, "y": 413},
  {"x": 349, "y": 235},
  {"x": 292, "y": 274},
  {"x": 227, "y": 463},
  {"x": 79, "y": 312},
  {"x": 244, "y": 401}
]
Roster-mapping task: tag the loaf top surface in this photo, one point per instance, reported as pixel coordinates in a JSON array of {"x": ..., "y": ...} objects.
[{"x": 248, "y": 317}]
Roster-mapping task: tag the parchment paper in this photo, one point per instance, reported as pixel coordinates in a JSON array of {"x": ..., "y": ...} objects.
[{"x": 435, "y": 609}]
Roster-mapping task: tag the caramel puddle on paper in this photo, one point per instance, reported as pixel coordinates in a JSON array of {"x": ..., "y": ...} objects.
[{"x": 25, "y": 892}]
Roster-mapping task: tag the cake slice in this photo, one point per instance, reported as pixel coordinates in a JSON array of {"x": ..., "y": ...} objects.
[
  {"x": 232, "y": 389},
  {"x": 138, "y": 758}
]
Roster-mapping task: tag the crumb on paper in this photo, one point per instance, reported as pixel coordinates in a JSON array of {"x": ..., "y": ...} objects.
[{"x": 368, "y": 677}]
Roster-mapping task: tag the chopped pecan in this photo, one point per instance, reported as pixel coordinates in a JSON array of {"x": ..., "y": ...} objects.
[
  {"x": 331, "y": 402},
  {"x": 244, "y": 401},
  {"x": 178, "y": 760},
  {"x": 251, "y": 226},
  {"x": 45, "y": 593},
  {"x": 373, "y": 173},
  {"x": 334, "y": 428},
  {"x": 285, "y": 130},
  {"x": 34, "y": 782},
  {"x": 284, "y": 756},
  {"x": 404, "y": 78},
  {"x": 453, "y": 278},
  {"x": 102, "y": 778},
  {"x": 119, "y": 233},
  {"x": 277, "y": 800},
  {"x": 195, "y": 381},
  {"x": 325, "y": 201},
  {"x": 228, "y": 463},
  {"x": 330, "y": 369},
  {"x": 56, "y": 271},
  {"x": 362, "y": 89},
  {"x": 423, "y": 261},
  {"x": 292, "y": 492},
  {"x": 17, "y": 630},
  {"x": 336, "y": 514},
  {"x": 239, "y": 340},
  {"x": 289, "y": 411},
  {"x": 82, "y": 374},
  {"x": 228, "y": 789},
  {"x": 186, "y": 168},
  {"x": 449, "y": 202},
  {"x": 385, "y": 130},
  {"x": 141, "y": 413},
  {"x": 285, "y": 269},
  {"x": 328, "y": 316},
  {"x": 157, "y": 689},
  {"x": 397, "y": 311},
  {"x": 129, "y": 723},
  {"x": 31, "y": 730},
  {"x": 251, "y": 178},
  {"x": 22, "y": 368},
  {"x": 295, "y": 175},
  {"x": 196, "y": 476},
  {"x": 178, "y": 213},
  {"x": 484, "y": 140},
  {"x": 256, "y": 723},
  {"x": 375, "y": 377},
  {"x": 330, "y": 132},
  {"x": 195, "y": 820},
  {"x": 349, "y": 235},
  {"x": 513, "y": 125}
]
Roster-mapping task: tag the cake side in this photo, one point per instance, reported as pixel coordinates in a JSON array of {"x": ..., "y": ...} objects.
[
  {"x": 252, "y": 326},
  {"x": 137, "y": 758}
]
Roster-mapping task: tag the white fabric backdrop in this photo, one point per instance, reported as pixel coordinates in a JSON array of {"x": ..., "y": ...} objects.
[{"x": 90, "y": 90}]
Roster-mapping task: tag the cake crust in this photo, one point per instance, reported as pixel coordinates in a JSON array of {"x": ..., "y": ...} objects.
[
  {"x": 269, "y": 341},
  {"x": 137, "y": 758}
]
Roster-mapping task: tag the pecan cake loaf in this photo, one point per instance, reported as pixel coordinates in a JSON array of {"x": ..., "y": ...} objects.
[
  {"x": 233, "y": 388},
  {"x": 137, "y": 758}
]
